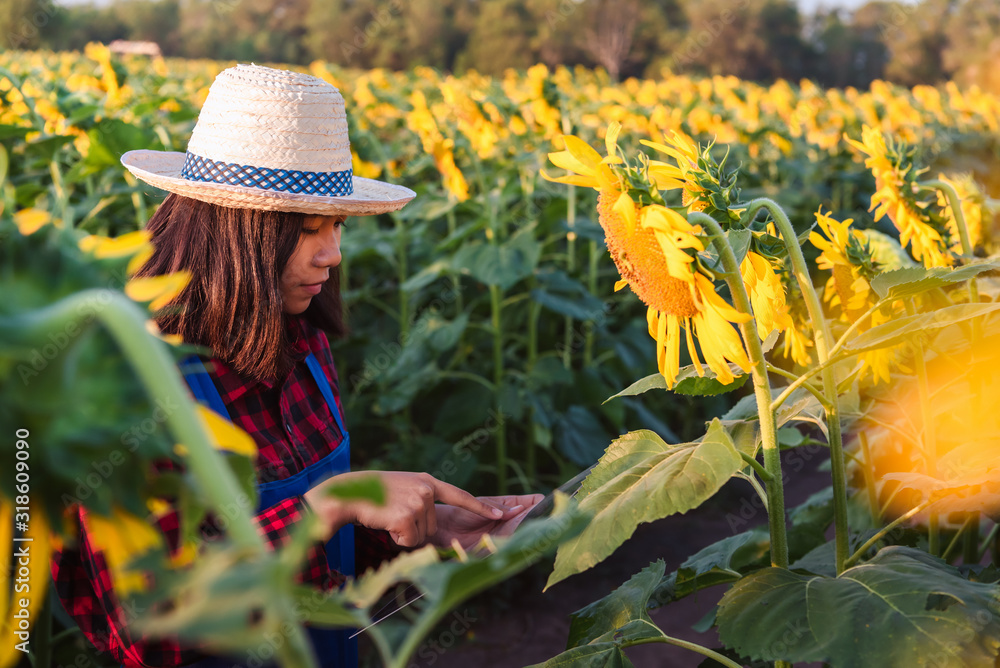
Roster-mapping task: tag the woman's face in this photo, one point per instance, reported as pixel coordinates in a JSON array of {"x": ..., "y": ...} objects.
[{"x": 317, "y": 252}]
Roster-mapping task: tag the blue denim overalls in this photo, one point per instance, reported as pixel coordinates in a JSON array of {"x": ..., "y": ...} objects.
[{"x": 334, "y": 647}]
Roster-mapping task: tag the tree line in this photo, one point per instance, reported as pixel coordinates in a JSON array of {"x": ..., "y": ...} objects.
[{"x": 923, "y": 42}]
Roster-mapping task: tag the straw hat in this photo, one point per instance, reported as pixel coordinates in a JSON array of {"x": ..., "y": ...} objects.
[{"x": 269, "y": 139}]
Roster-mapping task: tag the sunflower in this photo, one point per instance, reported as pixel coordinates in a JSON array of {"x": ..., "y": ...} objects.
[
  {"x": 795, "y": 345},
  {"x": 847, "y": 254},
  {"x": 767, "y": 294},
  {"x": 896, "y": 195},
  {"x": 848, "y": 285},
  {"x": 654, "y": 248},
  {"x": 685, "y": 175}
]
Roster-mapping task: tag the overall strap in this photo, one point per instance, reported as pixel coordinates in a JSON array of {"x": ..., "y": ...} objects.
[
  {"x": 202, "y": 386},
  {"x": 326, "y": 390}
]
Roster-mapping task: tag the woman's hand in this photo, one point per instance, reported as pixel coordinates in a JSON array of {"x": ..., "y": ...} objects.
[
  {"x": 468, "y": 528},
  {"x": 409, "y": 513}
]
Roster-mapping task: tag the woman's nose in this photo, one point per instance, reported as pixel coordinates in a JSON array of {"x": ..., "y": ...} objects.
[{"x": 328, "y": 254}]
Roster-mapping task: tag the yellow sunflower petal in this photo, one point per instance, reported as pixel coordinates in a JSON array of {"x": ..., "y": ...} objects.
[
  {"x": 582, "y": 151},
  {"x": 573, "y": 180},
  {"x": 6, "y": 531},
  {"x": 673, "y": 348},
  {"x": 611, "y": 139},
  {"x": 122, "y": 537},
  {"x": 566, "y": 160},
  {"x": 158, "y": 289},
  {"x": 29, "y": 221},
  {"x": 692, "y": 351},
  {"x": 226, "y": 435},
  {"x": 625, "y": 207},
  {"x": 112, "y": 247}
]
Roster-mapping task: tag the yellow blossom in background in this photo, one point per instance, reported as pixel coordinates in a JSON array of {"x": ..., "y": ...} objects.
[
  {"x": 651, "y": 260},
  {"x": 796, "y": 345},
  {"x": 132, "y": 244},
  {"x": 846, "y": 287},
  {"x": 890, "y": 199},
  {"x": 363, "y": 168},
  {"x": 845, "y": 252},
  {"x": 454, "y": 180},
  {"x": 29, "y": 221},
  {"x": 652, "y": 248},
  {"x": 109, "y": 81}
]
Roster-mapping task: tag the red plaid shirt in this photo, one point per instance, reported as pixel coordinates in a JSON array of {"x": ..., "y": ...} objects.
[{"x": 293, "y": 428}]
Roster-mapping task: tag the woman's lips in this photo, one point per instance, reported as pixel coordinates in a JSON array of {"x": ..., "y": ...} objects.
[{"x": 313, "y": 289}]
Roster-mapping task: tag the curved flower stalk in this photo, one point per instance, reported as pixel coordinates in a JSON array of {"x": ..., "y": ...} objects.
[
  {"x": 919, "y": 220},
  {"x": 655, "y": 251},
  {"x": 972, "y": 203}
]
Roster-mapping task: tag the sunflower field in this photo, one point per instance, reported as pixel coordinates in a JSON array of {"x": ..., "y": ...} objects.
[{"x": 676, "y": 279}]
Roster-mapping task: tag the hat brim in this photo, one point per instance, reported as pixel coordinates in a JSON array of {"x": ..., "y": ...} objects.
[{"x": 163, "y": 170}]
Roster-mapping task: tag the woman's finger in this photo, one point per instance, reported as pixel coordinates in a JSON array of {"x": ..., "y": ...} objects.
[
  {"x": 431, "y": 521},
  {"x": 453, "y": 496}
]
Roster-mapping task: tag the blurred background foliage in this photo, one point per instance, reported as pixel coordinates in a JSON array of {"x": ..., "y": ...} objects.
[{"x": 921, "y": 42}]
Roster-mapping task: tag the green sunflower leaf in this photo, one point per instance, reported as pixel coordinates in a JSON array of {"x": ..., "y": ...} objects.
[{"x": 640, "y": 479}]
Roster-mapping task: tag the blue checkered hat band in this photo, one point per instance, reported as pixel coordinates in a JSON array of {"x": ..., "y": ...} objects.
[{"x": 331, "y": 184}]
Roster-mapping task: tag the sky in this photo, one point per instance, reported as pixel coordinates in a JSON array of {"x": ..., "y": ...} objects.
[{"x": 808, "y": 6}]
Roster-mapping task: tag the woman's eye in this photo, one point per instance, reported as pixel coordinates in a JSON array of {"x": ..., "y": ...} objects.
[
  {"x": 340, "y": 223},
  {"x": 306, "y": 230}
]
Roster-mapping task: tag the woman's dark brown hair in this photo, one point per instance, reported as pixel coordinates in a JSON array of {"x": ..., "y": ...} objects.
[{"x": 233, "y": 303}]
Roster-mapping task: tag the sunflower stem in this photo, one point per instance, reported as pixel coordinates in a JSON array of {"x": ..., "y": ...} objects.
[
  {"x": 928, "y": 436},
  {"x": 762, "y": 390},
  {"x": 588, "y": 346},
  {"x": 860, "y": 552},
  {"x": 496, "y": 322},
  {"x": 868, "y": 469},
  {"x": 815, "y": 391},
  {"x": 148, "y": 356},
  {"x": 456, "y": 280},
  {"x": 756, "y": 466},
  {"x": 823, "y": 340},
  {"x": 955, "y": 203},
  {"x": 570, "y": 268}
]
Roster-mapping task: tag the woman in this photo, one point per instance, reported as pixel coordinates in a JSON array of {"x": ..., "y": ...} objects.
[{"x": 257, "y": 209}]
